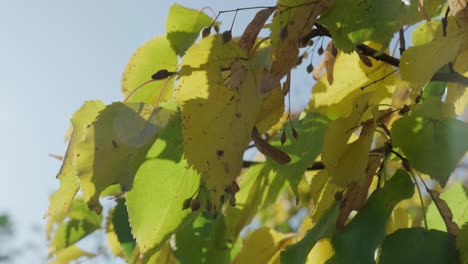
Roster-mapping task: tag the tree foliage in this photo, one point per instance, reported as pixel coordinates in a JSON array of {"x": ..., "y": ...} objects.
[{"x": 378, "y": 127}]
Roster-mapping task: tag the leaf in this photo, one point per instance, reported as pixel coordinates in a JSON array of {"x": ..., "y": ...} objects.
[
  {"x": 211, "y": 111},
  {"x": 248, "y": 38},
  {"x": 262, "y": 246},
  {"x": 457, "y": 94},
  {"x": 350, "y": 74},
  {"x": 164, "y": 180},
  {"x": 115, "y": 145},
  {"x": 325, "y": 227},
  {"x": 417, "y": 67},
  {"x": 357, "y": 242},
  {"x": 298, "y": 22},
  {"x": 416, "y": 245},
  {"x": 271, "y": 111},
  {"x": 68, "y": 254},
  {"x": 329, "y": 62},
  {"x": 206, "y": 240},
  {"x": 81, "y": 223},
  {"x": 321, "y": 252},
  {"x": 462, "y": 244},
  {"x": 163, "y": 256},
  {"x": 454, "y": 203},
  {"x": 352, "y": 23},
  {"x": 122, "y": 229},
  {"x": 459, "y": 9},
  {"x": 346, "y": 163},
  {"x": 152, "y": 56},
  {"x": 398, "y": 220},
  {"x": 183, "y": 27},
  {"x": 427, "y": 132},
  {"x": 61, "y": 199},
  {"x": 326, "y": 198}
]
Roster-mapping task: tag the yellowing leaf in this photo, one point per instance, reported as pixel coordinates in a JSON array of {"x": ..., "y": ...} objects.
[
  {"x": 261, "y": 246},
  {"x": 61, "y": 199},
  {"x": 271, "y": 111},
  {"x": 151, "y": 57},
  {"x": 457, "y": 94},
  {"x": 217, "y": 121},
  {"x": 350, "y": 74},
  {"x": 399, "y": 219},
  {"x": 115, "y": 145},
  {"x": 415, "y": 64},
  {"x": 71, "y": 253},
  {"x": 321, "y": 252}
]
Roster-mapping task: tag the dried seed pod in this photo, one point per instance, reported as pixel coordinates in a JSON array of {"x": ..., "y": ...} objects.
[
  {"x": 283, "y": 137},
  {"x": 310, "y": 68},
  {"x": 206, "y": 32},
  {"x": 226, "y": 36},
  {"x": 195, "y": 205},
  {"x": 234, "y": 187},
  {"x": 334, "y": 50},
  {"x": 283, "y": 33},
  {"x": 320, "y": 51},
  {"x": 161, "y": 74},
  {"x": 311, "y": 42},
  {"x": 232, "y": 200},
  {"x": 294, "y": 133},
  {"x": 405, "y": 109},
  {"x": 299, "y": 60},
  {"x": 338, "y": 196},
  {"x": 406, "y": 164},
  {"x": 186, "y": 203}
]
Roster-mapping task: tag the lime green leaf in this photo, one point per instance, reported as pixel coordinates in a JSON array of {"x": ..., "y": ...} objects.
[
  {"x": 429, "y": 131},
  {"x": 457, "y": 94},
  {"x": 326, "y": 198},
  {"x": 60, "y": 200},
  {"x": 211, "y": 112},
  {"x": 352, "y": 23},
  {"x": 262, "y": 246},
  {"x": 350, "y": 74},
  {"x": 161, "y": 185},
  {"x": 357, "y": 242},
  {"x": 68, "y": 254},
  {"x": 462, "y": 244},
  {"x": 163, "y": 256},
  {"x": 417, "y": 245},
  {"x": 417, "y": 67},
  {"x": 205, "y": 240},
  {"x": 81, "y": 223},
  {"x": 149, "y": 58},
  {"x": 433, "y": 88},
  {"x": 122, "y": 228},
  {"x": 457, "y": 201},
  {"x": 304, "y": 150},
  {"x": 115, "y": 145},
  {"x": 183, "y": 26},
  {"x": 325, "y": 227}
]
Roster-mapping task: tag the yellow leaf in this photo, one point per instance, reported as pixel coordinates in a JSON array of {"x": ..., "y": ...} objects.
[
  {"x": 271, "y": 111},
  {"x": 419, "y": 63},
  {"x": 398, "y": 219},
  {"x": 321, "y": 252},
  {"x": 217, "y": 121},
  {"x": 457, "y": 94},
  {"x": 350, "y": 74},
  {"x": 262, "y": 246},
  {"x": 70, "y": 253}
]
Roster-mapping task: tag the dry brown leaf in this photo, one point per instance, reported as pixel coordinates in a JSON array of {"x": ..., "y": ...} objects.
[
  {"x": 329, "y": 62},
  {"x": 251, "y": 32},
  {"x": 459, "y": 9},
  {"x": 288, "y": 48},
  {"x": 317, "y": 73},
  {"x": 268, "y": 150},
  {"x": 287, "y": 84},
  {"x": 364, "y": 59},
  {"x": 445, "y": 212}
]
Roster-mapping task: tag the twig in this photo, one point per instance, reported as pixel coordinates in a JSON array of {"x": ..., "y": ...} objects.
[{"x": 402, "y": 41}]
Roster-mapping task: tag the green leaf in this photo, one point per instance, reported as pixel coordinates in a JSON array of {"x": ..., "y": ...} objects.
[
  {"x": 417, "y": 67},
  {"x": 61, "y": 199},
  {"x": 433, "y": 88},
  {"x": 183, "y": 26},
  {"x": 122, "y": 228},
  {"x": 161, "y": 185},
  {"x": 303, "y": 151},
  {"x": 73, "y": 252},
  {"x": 357, "y": 242},
  {"x": 462, "y": 243},
  {"x": 205, "y": 240},
  {"x": 152, "y": 56},
  {"x": 81, "y": 223},
  {"x": 352, "y": 23},
  {"x": 457, "y": 201},
  {"x": 115, "y": 145},
  {"x": 429, "y": 131},
  {"x": 325, "y": 227},
  {"x": 417, "y": 245}
]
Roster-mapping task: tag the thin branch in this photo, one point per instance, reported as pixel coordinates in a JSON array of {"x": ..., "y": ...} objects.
[{"x": 401, "y": 33}]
